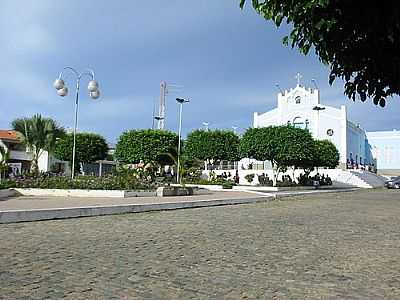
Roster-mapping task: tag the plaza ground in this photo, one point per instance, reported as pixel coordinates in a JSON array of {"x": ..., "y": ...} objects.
[{"x": 320, "y": 246}]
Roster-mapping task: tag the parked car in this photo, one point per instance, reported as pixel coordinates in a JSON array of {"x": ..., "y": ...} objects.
[{"x": 393, "y": 183}]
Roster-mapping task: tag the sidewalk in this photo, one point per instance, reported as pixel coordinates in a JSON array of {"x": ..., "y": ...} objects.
[{"x": 21, "y": 209}]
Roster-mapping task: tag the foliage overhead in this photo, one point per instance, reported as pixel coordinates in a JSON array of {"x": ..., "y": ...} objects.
[
  {"x": 359, "y": 40},
  {"x": 148, "y": 145},
  {"x": 90, "y": 147},
  {"x": 326, "y": 154},
  {"x": 38, "y": 134},
  {"x": 215, "y": 144}
]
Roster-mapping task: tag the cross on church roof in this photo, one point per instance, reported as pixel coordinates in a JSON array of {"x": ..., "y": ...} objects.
[{"x": 298, "y": 77}]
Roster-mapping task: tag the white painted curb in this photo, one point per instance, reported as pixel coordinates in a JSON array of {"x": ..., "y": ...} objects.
[
  {"x": 7, "y": 193},
  {"x": 13, "y": 216}
]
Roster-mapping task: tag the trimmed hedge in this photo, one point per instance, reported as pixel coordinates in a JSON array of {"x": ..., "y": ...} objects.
[{"x": 126, "y": 182}]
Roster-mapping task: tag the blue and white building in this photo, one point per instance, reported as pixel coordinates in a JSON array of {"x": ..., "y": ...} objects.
[
  {"x": 302, "y": 108},
  {"x": 385, "y": 147}
]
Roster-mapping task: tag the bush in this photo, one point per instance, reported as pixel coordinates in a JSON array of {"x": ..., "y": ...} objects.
[
  {"x": 127, "y": 180},
  {"x": 192, "y": 175},
  {"x": 7, "y": 184},
  {"x": 228, "y": 184}
]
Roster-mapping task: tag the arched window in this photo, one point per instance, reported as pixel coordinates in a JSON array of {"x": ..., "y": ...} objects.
[
  {"x": 297, "y": 99},
  {"x": 298, "y": 122}
]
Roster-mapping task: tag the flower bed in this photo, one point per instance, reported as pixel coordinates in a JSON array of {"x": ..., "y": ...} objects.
[{"x": 83, "y": 183}]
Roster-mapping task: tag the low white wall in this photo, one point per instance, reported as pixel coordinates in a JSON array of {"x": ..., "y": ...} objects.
[
  {"x": 71, "y": 193},
  {"x": 7, "y": 193},
  {"x": 333, "y": 173}
]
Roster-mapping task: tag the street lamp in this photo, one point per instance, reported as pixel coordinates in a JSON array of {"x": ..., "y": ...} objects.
[
  {"x": 180, "y": 102},
  {"x": 318, "y": 109},
  {"x": 62, "y": 90},
  {"x": 157, "y": 118}
]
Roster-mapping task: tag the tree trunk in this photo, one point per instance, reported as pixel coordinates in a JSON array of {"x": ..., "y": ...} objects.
[{"x": 274, "y": 174}]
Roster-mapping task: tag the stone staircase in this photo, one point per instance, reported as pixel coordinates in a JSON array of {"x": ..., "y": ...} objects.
[
  {"x": 357, "y": 178},
  {"x": 372, "y": 180}
]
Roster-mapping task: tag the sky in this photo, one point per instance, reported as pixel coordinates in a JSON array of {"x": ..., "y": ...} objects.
[{"x": 225, "y": 60}]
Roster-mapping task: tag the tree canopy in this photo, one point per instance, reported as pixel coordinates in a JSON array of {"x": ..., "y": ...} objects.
[
  {"x": 359, "y": 40},
  {"x": 90, "y": 147},
  {"x": 148, "y": 145},
  {"x": 284, "y": 146},
  {"x": 38, "y": 134},
  {"x": 326, "y": 154},
  {"x": 215, "y": 144}
]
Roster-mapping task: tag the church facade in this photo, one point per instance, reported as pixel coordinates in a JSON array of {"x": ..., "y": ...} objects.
[{"x": 301, "y": 107}]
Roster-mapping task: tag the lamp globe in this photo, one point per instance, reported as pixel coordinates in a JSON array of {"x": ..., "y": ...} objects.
[
  {"x": 63, "y": 91},
  {"x": 58, "y": 84},
  {"x": 95, "y": 94},
  {"x": 93, "y": 86}
]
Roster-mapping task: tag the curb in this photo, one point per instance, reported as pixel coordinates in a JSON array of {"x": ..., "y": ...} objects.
[{"x": 15, "y": 216}]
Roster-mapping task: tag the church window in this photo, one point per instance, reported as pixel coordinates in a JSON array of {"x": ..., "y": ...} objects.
[
  {"x": 297, "y": 99},
  {"x": 299, "y": 123},
  {"x": 307, "y": 123}
]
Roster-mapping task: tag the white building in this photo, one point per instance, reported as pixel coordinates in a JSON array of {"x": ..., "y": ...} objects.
[
  {"x": 21, "y": 159},
  {"x": 301, "y": 107}
]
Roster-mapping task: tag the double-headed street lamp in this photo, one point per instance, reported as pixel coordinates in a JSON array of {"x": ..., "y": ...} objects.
[
  {"x": 180, "y": 102},
  {"x": 62, "y": 91}
]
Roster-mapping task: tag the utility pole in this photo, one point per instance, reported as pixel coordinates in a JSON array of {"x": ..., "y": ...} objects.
[{"x": 161, "y": 109}]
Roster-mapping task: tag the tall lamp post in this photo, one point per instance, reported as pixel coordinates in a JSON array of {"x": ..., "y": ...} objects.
[
  {"x": 318, "y": 109},
  {"x": 180, "y": 102},
  {"x": 62, "y": 91}
]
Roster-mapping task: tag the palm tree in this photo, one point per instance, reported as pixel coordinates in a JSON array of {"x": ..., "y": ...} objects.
[
  {"x": 38, "y": 134},
  {"x": 4, "y": 157}
]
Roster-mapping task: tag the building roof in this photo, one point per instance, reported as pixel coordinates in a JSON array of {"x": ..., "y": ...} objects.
[{"x": 9, "y": 135}]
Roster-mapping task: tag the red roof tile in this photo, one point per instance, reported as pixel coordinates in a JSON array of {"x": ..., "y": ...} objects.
[{"x": 9, "y": 135}]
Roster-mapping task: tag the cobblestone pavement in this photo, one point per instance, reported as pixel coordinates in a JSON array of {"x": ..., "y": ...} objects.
[{"x": 325, "y": 246}]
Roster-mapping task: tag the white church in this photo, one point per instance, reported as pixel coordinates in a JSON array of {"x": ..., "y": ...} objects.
[{"x": 301, "y": 107}]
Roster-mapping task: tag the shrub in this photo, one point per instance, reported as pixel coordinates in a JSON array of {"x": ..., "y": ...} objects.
[
  {"x": 7, "y": 184},
  {"x": 228, "y": 184},
  {"x": 128, "y": 180}
]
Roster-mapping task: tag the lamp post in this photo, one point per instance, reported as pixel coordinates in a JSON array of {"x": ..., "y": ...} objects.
[
  {"x": 62, "y": 91},
  {"x": 318, "y": 109},
  {"x": 158, "y": 119},
  {"x": 180, "y": 102}
]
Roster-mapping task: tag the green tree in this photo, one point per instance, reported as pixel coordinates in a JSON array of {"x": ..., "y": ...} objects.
[
  {"x": 4, "y": 157},
  {"x": 357, "y": 39},
  {"x": 326, "y": 154},
  {"x": 90, "y": 147},
  {"x": 38, "y": 134},
  {"x": 216, "y": 145},
  {"x": 148, "y": 145},
  {"x": 283, "y": 146}
]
